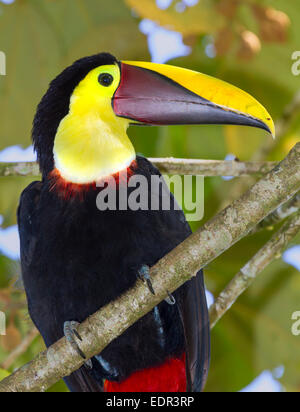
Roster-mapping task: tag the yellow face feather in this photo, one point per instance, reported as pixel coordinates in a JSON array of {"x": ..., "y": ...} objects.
[{"x": 91, "y": 141}]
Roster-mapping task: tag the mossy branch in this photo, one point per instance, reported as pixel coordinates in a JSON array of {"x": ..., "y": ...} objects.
[{"x": 203, "y": 246}]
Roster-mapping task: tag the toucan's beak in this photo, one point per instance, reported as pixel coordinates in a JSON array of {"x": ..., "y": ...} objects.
[{"x": 159, "y": 94}]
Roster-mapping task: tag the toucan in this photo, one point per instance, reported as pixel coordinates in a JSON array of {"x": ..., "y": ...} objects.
[{"x": 76, "y": 258}]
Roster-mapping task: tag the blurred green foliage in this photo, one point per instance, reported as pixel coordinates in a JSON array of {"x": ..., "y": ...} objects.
[{"x": 42, "y": 37}]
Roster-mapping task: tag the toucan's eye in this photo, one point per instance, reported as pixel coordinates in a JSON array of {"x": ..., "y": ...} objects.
[{"x": 105, "y": 79}]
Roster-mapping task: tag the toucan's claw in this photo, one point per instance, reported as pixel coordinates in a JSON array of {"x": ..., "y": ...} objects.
[
  {"x": 170, "y": 299},
  {"x": 144, "y": 275},
  {"x": 71, "y": 333}
]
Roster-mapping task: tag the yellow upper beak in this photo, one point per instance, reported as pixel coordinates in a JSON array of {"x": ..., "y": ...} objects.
[{"x": 214, "y": 93}]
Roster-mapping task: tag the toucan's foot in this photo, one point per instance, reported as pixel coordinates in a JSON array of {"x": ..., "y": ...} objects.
[
  {"x": 170, "y": 299},
  {"x": 144, "y": 274},
  {"x": 71, "y": 334}
]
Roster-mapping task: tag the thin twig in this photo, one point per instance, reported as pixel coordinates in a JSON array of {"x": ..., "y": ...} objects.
[
  {"x": 19, "y": 350},
  {"x": 19, "y": 169},
  {"x": 241, "y": 282},
  {"x": 233, "y": 168},
  {"x": 167, "y": 165},
  {"x": 203, "y": 246},
  {"x": 284, "y": 211}
]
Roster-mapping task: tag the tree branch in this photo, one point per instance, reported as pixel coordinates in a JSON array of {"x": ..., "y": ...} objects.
[
  {"x": 216, "y": 236},
  {"x": 19, "y": 169},
  {"x": 233, "y": 168},
  {"x": 19, "y": 350},
  {"x": 254, "y": 267},
  {"x": 167, "y": 165},
  {"x": 284, "y": 211}
]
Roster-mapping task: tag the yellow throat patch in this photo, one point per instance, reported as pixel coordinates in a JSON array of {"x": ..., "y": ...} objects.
[{"x": 91, "y": 141}]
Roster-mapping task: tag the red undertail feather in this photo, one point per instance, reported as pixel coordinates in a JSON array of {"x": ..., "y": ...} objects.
[{"x": 169, "y": 377}]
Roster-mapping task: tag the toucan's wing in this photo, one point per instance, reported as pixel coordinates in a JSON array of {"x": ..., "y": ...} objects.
[
  {"x": 195, "y": 319},
  {"x": 27, "y": 223}
]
